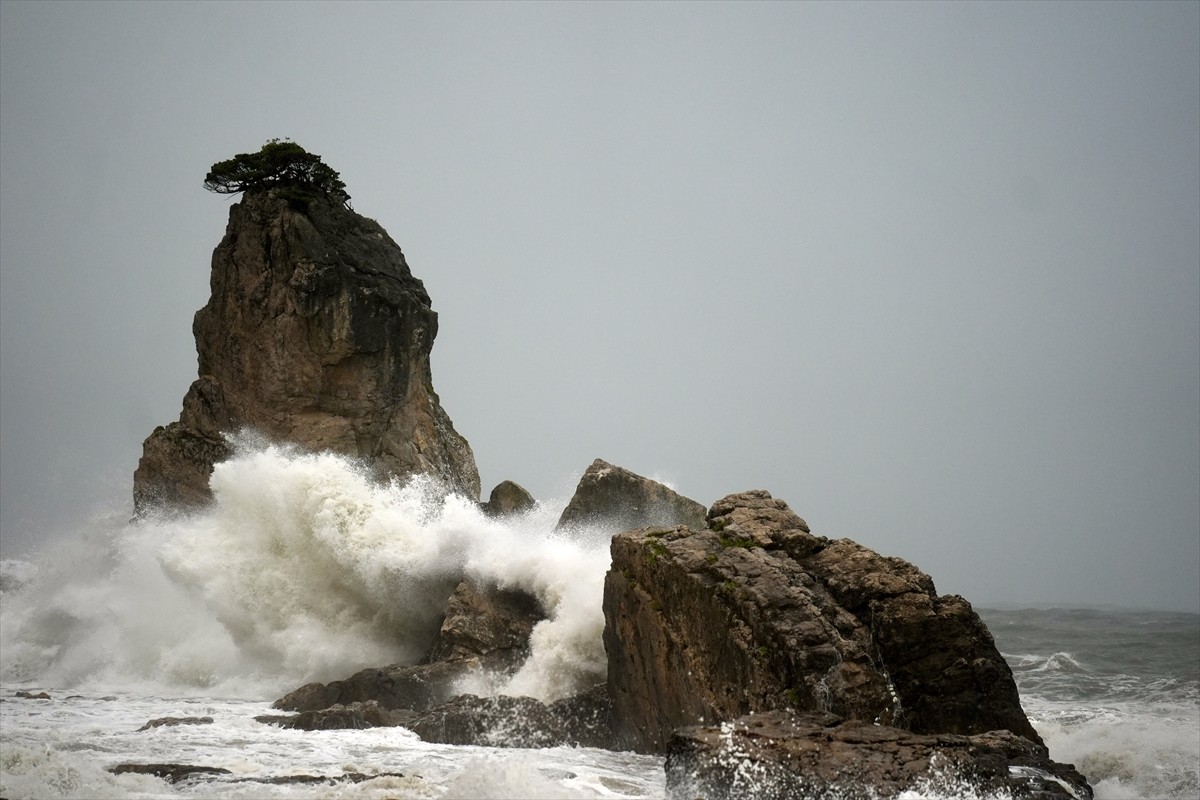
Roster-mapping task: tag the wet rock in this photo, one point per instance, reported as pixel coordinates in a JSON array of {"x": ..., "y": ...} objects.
[
  {"x": 488, "y": 625},
  {"x": 351, "y": 716},
  {"x": 171, "y": 773},
  {"x": 754, "y": 613},
  {"x": 779, "y": 755},
  {"x": 30, "y": 696},
  {"x": 170, "y": 722},
  {"x": 415, "y": 687},
  {"x": 508, "y": 498},
  {"x": 614, "y": 499},
  {"x": 505, "y": 721}
]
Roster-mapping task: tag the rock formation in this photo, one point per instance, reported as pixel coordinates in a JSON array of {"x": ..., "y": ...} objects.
[
  {"x": 317, "y": 334},
  {"x": 614, "y": 499},
  {"x": 754, "y": 613},
  {"x": 508, "y": 498},
  {"x": 779, "y": 755}
]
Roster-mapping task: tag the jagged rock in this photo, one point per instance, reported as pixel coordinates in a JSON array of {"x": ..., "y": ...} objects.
[
  {"x": 171, "y": 773},
  {"x": 170, "y": 722},
  {"x": 489, "y": 625},
  {"x": 779, "y": 755},
  {"x": 508, "y": 498},
  {"x": 754, "y": 613},
  {"x": 505, "y": 721},
  {"x": 30, "y": 696},
  {"x": 317, "y": 334},
  {"x": 614, "y": 499},
  {"x": 485, "y": 629},
  {"x": 414, "y": 687},
  {"x": 352, "y": 716}
]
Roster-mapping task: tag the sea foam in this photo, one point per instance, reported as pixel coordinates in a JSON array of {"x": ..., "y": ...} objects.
[{"x": 302, "y": 568}]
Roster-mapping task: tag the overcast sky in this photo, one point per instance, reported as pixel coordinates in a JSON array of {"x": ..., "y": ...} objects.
[{"x": 928, "y": 272}]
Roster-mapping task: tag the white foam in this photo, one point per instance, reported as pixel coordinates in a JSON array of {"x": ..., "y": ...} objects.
[{"x": 302, "y": 569}]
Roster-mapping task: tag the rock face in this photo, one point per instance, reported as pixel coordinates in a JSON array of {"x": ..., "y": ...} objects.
[
  {"x": 614, "y": 499},
  {"x": 508, "y": 498},
  {"x": 779, "y": 755},
  {"x": 754, "y": 613},
  {"x": 316, "y": 333}
]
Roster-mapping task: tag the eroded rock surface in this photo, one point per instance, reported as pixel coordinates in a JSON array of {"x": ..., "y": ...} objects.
[
  {"x": 316, "y": 334},
  {"x": 754, "y": 613},
  {"x": 779, "y": 755},
  {"x": 614, "y": 499},
  {"x": 508, "y": 498}
]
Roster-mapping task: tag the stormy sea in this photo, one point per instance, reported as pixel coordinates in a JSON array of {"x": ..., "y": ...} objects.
[{"x": 304, "y": 570}]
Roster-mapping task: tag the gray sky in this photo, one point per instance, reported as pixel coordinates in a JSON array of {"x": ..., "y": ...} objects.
[{"x": 928, "y": 272}]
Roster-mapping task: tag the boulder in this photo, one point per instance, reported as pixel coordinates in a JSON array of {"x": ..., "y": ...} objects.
[
  {"x": 505, "y": 721},
  {"x": 413, "y": 687},
  {"x": 754, "y": 613},
  {"x": 171, "y": 773},
  {"x": 352, "y": 716},
  {"x": 508, "y": 498},
  {"x": 316, "y": 334},
  {"x": 612, "y": 499},
  {"x": 487, "y": 626},
  {"x": 778, "y": 755}
]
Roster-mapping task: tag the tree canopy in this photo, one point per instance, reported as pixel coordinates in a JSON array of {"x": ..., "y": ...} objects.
[{"x": 300, "y": 175}]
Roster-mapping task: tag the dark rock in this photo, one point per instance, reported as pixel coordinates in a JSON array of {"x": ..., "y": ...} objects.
[
  {"x": 316, "y": 334},
  {"x": 755, "y": 613},
  {"x": 505, "y": 721},
  {"x": 779, "y": 755},
  {"x": 171, "y": 773},
  {"x": 488, "y": 625},
  {"x": 31, "y": 696},
  {"x": 508, "y": 498},
  {"x": 415, "y": 687},
  {"x": 352, "y": 716},
  {"x": 614, "y": 499},
  {"x": 170, "y": 722}
]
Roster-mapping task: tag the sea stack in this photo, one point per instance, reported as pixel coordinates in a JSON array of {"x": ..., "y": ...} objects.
[{"x": 316, "y": 334}]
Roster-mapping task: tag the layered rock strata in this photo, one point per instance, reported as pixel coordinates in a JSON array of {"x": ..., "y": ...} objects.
[
  {"x": 317, "y": 334},
  {"x": 754, "y": 613}
]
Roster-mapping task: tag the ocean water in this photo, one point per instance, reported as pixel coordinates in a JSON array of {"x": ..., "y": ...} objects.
[{"x": 304, "y": 570}]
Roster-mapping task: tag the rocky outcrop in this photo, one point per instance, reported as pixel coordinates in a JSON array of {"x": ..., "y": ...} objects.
[
  {"x": 779, "y": 755},
  {"x": 508, "y": 498},
  {"x": 503, "y": 721},
  {"x": 171, "y": 722},
  {"x": 613, "y": 499},
  {"x": 317, "y": 334},
  {"x": 754, "y": 613},
  {"x": 351, "y": 716}
]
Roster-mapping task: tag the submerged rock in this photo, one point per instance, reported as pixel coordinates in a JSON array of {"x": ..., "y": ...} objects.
[
  {"x": 504, "y": 721},
  {"x": 754, "y": 613},
  {"x": 614, "y": 499},
  {"x": 171, "y": 773},
  {"x": 316, "y": 334},
  {"x": 352, "y": 716},
  {"x": 779, "y": 755},
  {"x": 170, "y": 722}
]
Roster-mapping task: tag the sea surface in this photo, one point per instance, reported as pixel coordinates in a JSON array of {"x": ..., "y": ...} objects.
[{"x": 304, "y": 570}]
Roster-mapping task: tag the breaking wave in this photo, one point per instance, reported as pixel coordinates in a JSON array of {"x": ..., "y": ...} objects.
[{"x": 301, "y": 569}]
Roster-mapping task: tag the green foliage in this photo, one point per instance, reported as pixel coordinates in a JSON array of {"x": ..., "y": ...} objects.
[
  {"x": 737, "y": 541},
  {"x": 300, "y": 176}
]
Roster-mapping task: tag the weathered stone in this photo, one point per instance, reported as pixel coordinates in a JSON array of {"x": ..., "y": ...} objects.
[
  {"x": 413, "y": 687},
  {"x": 755, "y": 613},
  {"x": 612, "y": 498},
  {"x": 505, "y": 721},
  {"x": 779, "y": 755},
  {"x": 171, "y": 773},
  {"x": 352, "y": 716},
  {"x": 170, "y": 722},
  {"x": 488, "y": 624},
  {"x": 508, "y": 498},
  {"x": 316, "y": 334},
  {"x": 30, "y": 696}
]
